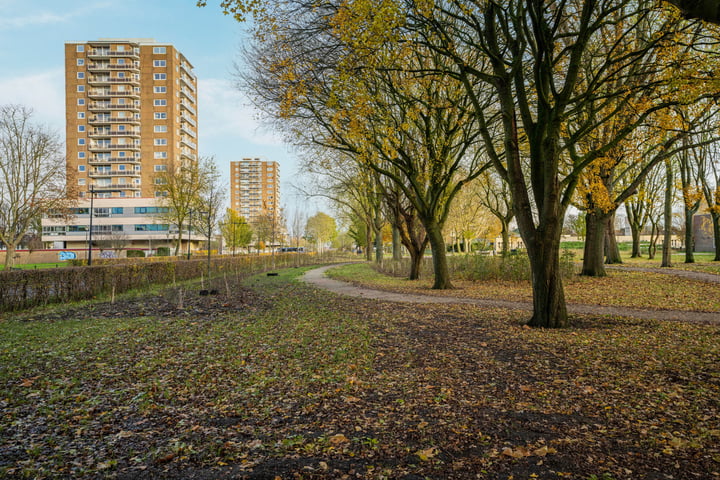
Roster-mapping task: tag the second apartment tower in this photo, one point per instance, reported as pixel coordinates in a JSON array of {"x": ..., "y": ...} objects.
[{"x": 131, "y": 112}]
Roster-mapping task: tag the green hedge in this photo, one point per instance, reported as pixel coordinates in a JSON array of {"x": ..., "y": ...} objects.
[{"x": 29, "y": 288}]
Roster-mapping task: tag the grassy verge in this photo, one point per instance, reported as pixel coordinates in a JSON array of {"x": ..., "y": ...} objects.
[
  {"x": 280, "y": 380},
  {"x": 619, "y": 288}
]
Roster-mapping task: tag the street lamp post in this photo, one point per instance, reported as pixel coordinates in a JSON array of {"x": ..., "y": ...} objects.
[
  {"x": 209, "y": 233},
  {"x": 92, "y": 196},
  {"x": 189, "y": 233}
]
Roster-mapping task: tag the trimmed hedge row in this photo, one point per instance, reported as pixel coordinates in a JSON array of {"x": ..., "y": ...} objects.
[{"x": 20, "y": 289}]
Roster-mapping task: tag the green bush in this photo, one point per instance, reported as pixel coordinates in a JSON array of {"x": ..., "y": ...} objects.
[
  {"x": 135, "y": 254},
  {"x": 29, "y": 288},
  {"x": 514, "y": 267},
  {"x": 163, "y": 251}
]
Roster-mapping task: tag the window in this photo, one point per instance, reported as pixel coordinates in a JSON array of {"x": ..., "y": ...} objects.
[
  {"x": 160, "y": 128},
  {"x": 160, "y": 155},
  {"x": 160, "y": 103},
  {"x": 140, "y": 210},
  {"x": 160, "y": 76},
  {"x": 80, "y": 48},
  {"x": 121, "y": 168},
  {"x": 81, "y": 141},
  {"x": 117, "y": 211},
  {"x": 159, "y": 50},
  {"x": 81, "y": 168},
  {"x": 160, "y": 89},
  {"x": 81, "y": 115},
  {"x": 121, "y": 75},
  {"x": 161, "y": 141},
  {"x": 160, "y": 181},
  {"x": 161, "y": 168},
  {"x": 121, "y": 154},
  {"x": 81, "y": 154},
  {"x": 159, "y": 63},
  {"x": 121, "y": 128},
  {"x": 81, "y": 101},
  {"x": 80, "y": 74},
  {"x": 81, "y": 181},
  {"x": 80, "y": 62},
  {"x": 81, "y": 128},
  {"x": 121, "y": 61},
  {"x": 160, "y": 115}
]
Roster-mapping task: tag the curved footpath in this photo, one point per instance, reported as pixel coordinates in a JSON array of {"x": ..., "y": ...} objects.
[{"x": 318, "y": 278}]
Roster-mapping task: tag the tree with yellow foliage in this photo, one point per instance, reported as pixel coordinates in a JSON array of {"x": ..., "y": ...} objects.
[{"x": 540, "y": 78}]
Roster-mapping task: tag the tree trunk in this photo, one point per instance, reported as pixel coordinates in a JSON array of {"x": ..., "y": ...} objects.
[
  {"x": 667, "y": 216},
  {"x": 396, "y": 243},
  {"x": 635, "y": 232},
  {"x": 549, "y": 309},
  {"x": 439, "y": 254},
  {"x": 415, "y": 263},
  {"x": 179, "y": 241},
  {"x": 378, "y": 247},
  {"x": 368, "y": 241},
  {"x": 593, "y": 264},
  {"x": 9, "y": 256},
  {"x": 652, "y": 247},
  {"x": 505, "y": 233},
  {"x": 612, "y": 252},
  {"x": 689, "y": 236},
  {"x": 716, "y": 234}
]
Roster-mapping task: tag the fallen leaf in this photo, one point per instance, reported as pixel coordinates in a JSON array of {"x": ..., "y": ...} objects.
[{"x": 427, "y": 454}]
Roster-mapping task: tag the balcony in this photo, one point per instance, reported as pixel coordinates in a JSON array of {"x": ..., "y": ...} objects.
[
  {"x": 104, "y": 119},
  {"x": 115, "y": 133},
  {"x": 187, "y": 119},
  {"x": 106, "y": 80},
  {"x": 113, "y": 173},
  {"x": 188, "y": 155},
  {"x": 106, "y": 147},
  {"x": 99, "y": 53},
  {"x": 187, "y": 94},
  {"x": 106, "y": 160},
  {"x": 117, "y": 186},
  {"x": 189, "y": 143},
  {"x": 99, "y": 93},
  {"x": 100, "y": 106},
  {"x": 187, "y": 70},
  {"x": 107, "y": 53},
  {"x": 125, "y": 67},
  {"x": 187, "y": 81},
  {"x": 98, "y": 67},
  {"x": 187, "y": 131},
  {"x": 186, "y": 105}
]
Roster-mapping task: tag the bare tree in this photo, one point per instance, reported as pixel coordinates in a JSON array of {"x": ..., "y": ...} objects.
[{"x": 32, "y": 174}]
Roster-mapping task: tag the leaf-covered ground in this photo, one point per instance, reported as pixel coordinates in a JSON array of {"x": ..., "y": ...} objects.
[
  {"x": 634, "y": 289},
  {"x": 275, "y": 379}
]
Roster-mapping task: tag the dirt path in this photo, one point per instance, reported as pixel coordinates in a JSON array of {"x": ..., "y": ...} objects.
[{"x": 318, "y": 278}]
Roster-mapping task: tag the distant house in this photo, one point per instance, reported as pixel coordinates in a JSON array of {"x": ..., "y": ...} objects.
[{"x": 703, "y": 233}]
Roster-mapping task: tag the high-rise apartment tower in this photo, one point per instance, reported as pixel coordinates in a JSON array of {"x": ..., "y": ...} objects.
[
  {"x": 255, "y": 188},
  {"x": 131, "y": 112}
]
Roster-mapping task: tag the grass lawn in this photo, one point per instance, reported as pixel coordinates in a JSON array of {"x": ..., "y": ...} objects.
[
  {"x": 34, "y": 266},
  {"x": 619, "y": 288},
  {"x": 275, "y": 379}
]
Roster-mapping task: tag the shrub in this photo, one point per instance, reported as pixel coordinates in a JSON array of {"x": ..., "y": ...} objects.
[
  {"x": 135, "y": 254},
  {"x": 163, "y": 251}
]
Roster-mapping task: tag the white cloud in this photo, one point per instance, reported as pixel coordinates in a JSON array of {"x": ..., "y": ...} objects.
[
  {"x": 225, "y": 112},
  {"x": 46, "y": 17},
  {"x": 44, "y": 92}
]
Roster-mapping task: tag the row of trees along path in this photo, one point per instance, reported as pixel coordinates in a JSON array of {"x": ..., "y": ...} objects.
[{"x": 551, "y": 96}]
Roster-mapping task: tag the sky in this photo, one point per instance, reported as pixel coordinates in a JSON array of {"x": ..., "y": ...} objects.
[{"x": 32, "y": 38}]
